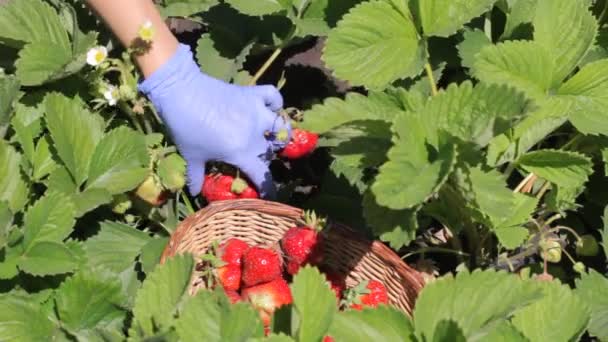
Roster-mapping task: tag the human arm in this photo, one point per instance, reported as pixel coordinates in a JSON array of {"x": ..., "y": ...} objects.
[{"x": 208, "y": 119}]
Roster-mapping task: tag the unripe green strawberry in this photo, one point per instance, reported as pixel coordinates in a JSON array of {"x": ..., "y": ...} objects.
[
  {"x": 127, "y": 92},
  {"x": 551, "y": 250},
  {"x": 172, "y": 172},
  {"x": 151, "y": 191},
  {"x": 121, "y": 203},
  {"x": 579, "y": 267},
  {"x": 587, "y": 246}
]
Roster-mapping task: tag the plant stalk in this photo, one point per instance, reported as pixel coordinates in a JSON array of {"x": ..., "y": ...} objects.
[
  {"x": 429, "y": 73},
  {"x": 265, "y": 66}
]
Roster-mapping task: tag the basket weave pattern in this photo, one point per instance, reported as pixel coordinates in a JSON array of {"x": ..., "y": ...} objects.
[{"x": 260, "y": 222}]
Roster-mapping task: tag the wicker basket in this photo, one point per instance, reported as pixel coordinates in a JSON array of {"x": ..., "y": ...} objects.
[{"x": 263, "y": 222}]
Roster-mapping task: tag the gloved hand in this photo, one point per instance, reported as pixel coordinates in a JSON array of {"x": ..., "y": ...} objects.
[{"x": 210, "y": 119}]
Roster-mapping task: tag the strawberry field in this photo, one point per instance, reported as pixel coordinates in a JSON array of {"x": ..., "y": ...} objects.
[{"x": 468, "y": 138}]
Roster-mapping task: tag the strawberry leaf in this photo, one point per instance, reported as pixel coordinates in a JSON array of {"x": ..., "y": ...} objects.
[
  {"x": 51, "y": 218},
  {"x": 90, "y": 199},
  {"x": 442, "y": 19},
  {"x": 160, "y": 295},
  {"x": 151, "y": 253},
  {"x": 383, "y": 323},
  {"x": 587, "y": 91},
  {"x": 6, "y": 221},
  {"x": 216, "y": 64},
  {"x": 43, "y": 163},
  {"x": 525, "y": 65},
  {"x": 412, "y": 173},
  {"x": 458, "y": 299},
  {"x": 258, "y": 8},
  {"x": 505, "y": 331},
  {"x": 569, "y": 315},
  {"x": 566, "y": 169},
  {"x": 13, "y": 188},
  {"x": 373, "y": 45},
  {"x": 75, "y": 132},
  {"x": 115, "y": 247},
  {"x": 9, "y": 91},
  {"x": 473, "y": 42},
  {"x": 396, "y": 227},
  {"x": 89, "y": 299},
  {"x": 579, "y": 37},
  {"x": 592, "y": 288},
  {"x": 40, "y": 62},
  {"x": 48, "y": 258},
  {"x": 32, "y": 21},
  {"x": 314, "y": 302},
  {"x": 185, "y": 8},
  {"x": 22, "y": 320},
  {"x": 120, "y": 161}
]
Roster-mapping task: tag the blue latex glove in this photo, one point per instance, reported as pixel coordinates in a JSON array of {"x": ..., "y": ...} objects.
[{"x": 210, "y": 119}]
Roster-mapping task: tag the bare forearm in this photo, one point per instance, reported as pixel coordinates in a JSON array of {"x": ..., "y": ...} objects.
[{"x": 125, "y": 17}]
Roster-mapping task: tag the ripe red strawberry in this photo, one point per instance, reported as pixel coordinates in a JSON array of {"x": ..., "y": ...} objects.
[
  {"x": 231, "y": 251},
  {"x": 230, "y": 277},
  {"x": 233, "y": 296},
  {"x": 260, "y": 265},
  {"x": 268, "y": 297},
  {"x": 328, "y": 339},
  {"x": 301, "y": 244},
  {"x": 218, "y": 187},
  {"x": 302, "y": 143},
  {"x": 372, "y": 295}
]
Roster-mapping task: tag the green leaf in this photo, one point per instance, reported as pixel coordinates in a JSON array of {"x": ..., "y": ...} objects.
[
  {"x": 43, "y": 163},
  {"x": 200, "y": 319},
  {"x": 334, "y": 112},
  {"x": 374, "y": 45},
  {"x": 13, "y": 188},
  {"x": 524, "y": 65},
  {"x": 359, "y": 145},
  {"x": 257, "y": 8},
  {"x": 380, "y": 324},
  {"x": 75, "y": 132},
  {"x": 6, "y": 221},
  {"x": 161, "y": 293},
  {"x": 120, "y": 161},
  {"x": 605, "y": 231},
  {"x": 31, "y": 21},
  {"x": 458, "y": 298},
  {"x": 22, "y": 320},
  {"x": 151, "y": 253},
  {"x": 505, "y": 332},
  {"x": 442, "y": 19},
  {"x": 510, "y": 232},
  {"x": 592, "y": 288},
  {"x": 448, "y": 331},
  {"x": 314, "y": 301},
  {"x": 588, "y": 92},
  {"x": 40, "y": 62},
  {"x": 239, "y": 322},
  {"x": 473, "y": 42},
  {"x": 90, "y": 199},
  {"x": 396, "y": 227},
  {"x": 568, "y": 315},
  {"x": 579, "y": 37},
  {"x": 116, "y": 246},
  {"x": 412, "y": 175},
  {"x": 566, "y": 169},
  {"x": 519, "y": 19},
  {"x": 217, "y": 65},
  {"x": 51, "y": 218},
  {"x": 539, "y": 123},
  {"x": 9, "y": 90},
  {"x": 48, "y": 258},
  {"x": 89, "y": 299},
  {"x": 473, "y": 114},
  {"x": 185, "y": 8}
]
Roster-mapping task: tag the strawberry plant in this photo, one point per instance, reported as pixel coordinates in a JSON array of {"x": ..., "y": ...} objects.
[{"x": 469, "y": 136}]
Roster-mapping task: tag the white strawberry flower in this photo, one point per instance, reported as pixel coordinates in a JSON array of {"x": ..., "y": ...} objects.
[
  {"x": 96, "y": 55},
  {"x": 111, "y": 95}
]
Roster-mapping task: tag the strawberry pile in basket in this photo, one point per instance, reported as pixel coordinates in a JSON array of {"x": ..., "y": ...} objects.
[{"x": 260, "y": 275}]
